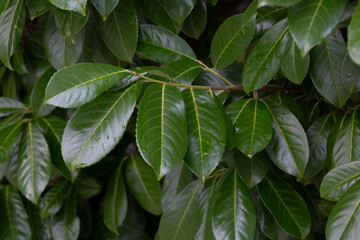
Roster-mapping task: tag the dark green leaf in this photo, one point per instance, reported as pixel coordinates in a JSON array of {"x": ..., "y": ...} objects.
[
  {"x": 115, "y": 203},
  {"x": 310, "y": 22},
  {"x": 179, "y": 10},
  {"x": 195, "y": 24},
  {"x": 161, "y": 45},
  {"x": 161, "y": 128},
  {"x": 263, "y": 61},
  {"x": 38, "y": 7},
  {"x": 3, "y": 168},
  {"x": 11, "y": 119},
  {"x": 105, "y": 7},
  {"x": 87, "y": 186},
  {"x": 182, "y": 71},
  {"x": 353, "y": 36},
  {"x": 8, "y": 139},
  {"x": 10, "y": 106},
  {"x": 97, "y": 127},
  {"x": 343, "y": 222},
  {"x": 350, "y": 75},
  {"x": 279, "y": 2},
  {"x": 286, "y": 205},
  {"x": 34, "y": 169},
  {"x": 14, "y": 223},
  {"x": 40, "y": 228},
  {"x": 267, "y": 16},
  {"x": 212, "y": 2},
  {"x": 233, "y": 215},
  {"x": 9, "y": 86},
  {"x": 4, "y": 5},
  {"x": 11, "y": 173},
  {"x": 231, "y": 40},
  {"x": 331, "y": 141},
  {"x": 18, "y": 62},
  {"x": 288, "y": 148},
  {"x": 120, "y": 31},
  {"x": 206, "y": 132},
  {"x": 72, "y": 5},
  {"x": 253, "y": 125},
  {"x": 68, "y": 23},
  {"x": 182, "y": 218},
  {"x": 143, "y": 184},
  {"x": 11, "y": 27}
]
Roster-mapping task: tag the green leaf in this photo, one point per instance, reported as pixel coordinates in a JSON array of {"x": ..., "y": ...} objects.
[
  {"x": 293, "y": 66},
  {"x": 52, "y": 201},
  {"x": 65, "y": 224},
  {"x": 353, "y": 36},
  {"x": 182, "y": 218},
  {"x": 179, "y": 10},
  {"x": 59, "y": 50},
  {"x": 317, "y": 135},
  {"x": 252, "y": 170},
  {"x": 332, "y": 141},
  {"x": 231, "y": 40},
  {"x": 206, "y": 132},
  {"x": 233, "y": 215},
  {"x": 33, "y": 173},
  {"x": 182, "y": 71},
  {"x": 253, "y": 125},
  {"x": 9, "y": 86},
  {"x": 267, "y": 16},
  {"x": 350, "y": 75},
  {"x": 310, "y": 22},
  {"x": 142, "y": 183},
  {"x": 10, "y": 106},
  {"x": 40, "y": 228},
  {"x": 115, "y": 203},
  {"x": 263, "y": 61},
  {"x": 161, "y": 45},
  {"x": 53, "y": 128},
  {"x": 38, "y": 7},
  {"x": 14, "y": 223},
  {"x": 71, "y": 5},
  {"x": 174, "y": 183},
  {"x": 97, "y": 127},
  {"x": 11, "y": 119},
  {"x": 286, "y": 205},
  {"x": 212, "y": 2},
  {"x": 343, "y": 222},
  {"x": 326, "y": 69},
  {"x": 347, "y": 147},
  {"x": 87, "y": 186},
  {"x": 4, "y": 5},
  {"x": 339, "y": 180},
  {"x": 289, "y": 148},
  {"x": 18, "y": 62},
  {"x": 120, "y": 31},
  {"x": 279, "y": 2},
  {"x": 195, "y": 23},
  {"x": 161, "y": 128},
  {"x": 12, "y": 22},
  {"x": 105, "y": 7},
  {"x": 9, "y": 136},
  {"x": 69, "y": 23},
  {"x": 76, "y": 85}
]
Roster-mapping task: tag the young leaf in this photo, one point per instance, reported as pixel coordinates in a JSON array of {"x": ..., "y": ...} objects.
[
  {"x": 120, "y": 31},
  {"x": 69, "y": 23},
  {"x": 10, "y": 106},
  {"x": 286, "y": 205},
  {"x": 353, "y": 36},
  {"x": 289, "y": 148},
  {"x": 326, "y": 69},
  {"x": 182, "y": 71},
  {"x": 206, "y": 132},
  {"x": 195, "y": 23},
  {"x": 143, "y": 185},
  {"x": 105, "y": 7},
  {"x": 161, "y": 128},
  {"x": 253, "y": 125},
  {"x": 310, "y": 22},
  {"x": 115, "y": 203},
  {"x": 38, "y": 7},
  {"x": 231, "y": 40},
  {"x": 34, "y": 170},
  {"x": 71, "y": 5},
  {"x": 233, "y": 215},
  {"x": 8, "y": 139},
  {"x": 343, "y": 222},
  {"x": 91, "y": 134},
  {"x": 263, "y": 61},
  {"x": 14, "y": 222},
  {"x": 182, "y": 218},
  {"x": 161, "y": 45}
]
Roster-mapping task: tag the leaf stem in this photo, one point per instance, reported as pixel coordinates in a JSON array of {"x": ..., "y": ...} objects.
[{"x": 214, "y": 72}]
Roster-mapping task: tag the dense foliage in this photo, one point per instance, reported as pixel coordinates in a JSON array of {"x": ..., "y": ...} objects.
[{"x": 179, "y": 119}]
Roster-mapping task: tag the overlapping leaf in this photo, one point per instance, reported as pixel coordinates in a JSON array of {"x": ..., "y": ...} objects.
[
  {"x": 38, "y": 7},
  {"x": 178, "y": 10},
  {"x": 69, "y": 23},
  {"x": 279, "y": 2},
  {"x": 87, "y": 186},
  {"x": 196, "y": 22},
  {"x": 10, "y": 106},
  {"x": 72, "y": 5},
  {"x": 8, "y": 139},
  {"x": 354, "y": 36},
  {"x": 105, "y": 7},
  {"x": 182, "y": 71},
  {"x": 40, "y": 228}
]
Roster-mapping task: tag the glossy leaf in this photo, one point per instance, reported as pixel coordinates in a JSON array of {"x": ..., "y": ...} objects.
[
  {"x": 11, "y": 27},
  {"x": 253, "y": 125},
  {"x": 38, "y": 7},
  {"x": 293, "y": 65},
  {"x": 120, "y": 31},
  {"x": 288, "y": 148},
  {"x": 233, "y": 215},
  {"x": 326, "y": 67},
  {"x": 14, "y": 224},
  {"x": 4, "y": 5},
  {"x": 69, "y": 23},
  {"x": 161, "y": 45},
  {"x": 40, "y": 228},
  {"x": 105, "y": 7},
  {"x": 310, "y": 22},
  {"x": 91, "y": 134},
  {"x": 267, "y": 16},
  {"x": 350, "y": 75},
  {"x": 195, "y": 23},
  {"x": 179, "y": 10},
  {"x": 10, "y": 106},
  {"x": 87, "y": 186},
  {"x": 231, "y": 40},
  {"x": 286, "y": 205},
  {"x": 161, "y": 128},
  {"x": 115, "y": 203},
  {"x": 331, "y": 141},
  {"x": 206, "y": 132},
  {"x": 182, "y": 71},
  {"x": 143, "y": 185},
  {"x": 8, "y": 139},
  {"x": 353, "y": 36},
  {"x": 182, "y": 218},
  {"x": 343, "y": 222},
  {"x": 72, "y": 5},
  {"x": 279, "y": 2},
  {"x": 263, "y": 61},
  {"x": 33, "y": 173}
]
